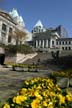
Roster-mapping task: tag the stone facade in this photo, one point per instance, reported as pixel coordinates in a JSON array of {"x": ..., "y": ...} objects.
[
  {"x": 64, "y": 44},
  {"x": 50, "y": 39},
  {"x": 8, "y": 23},
  {"x": 38, "y": 28}
]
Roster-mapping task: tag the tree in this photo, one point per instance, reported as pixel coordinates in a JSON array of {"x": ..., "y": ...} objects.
[
  {"x": 19, "y": 36},
  {"x": 55, "y": 55}
]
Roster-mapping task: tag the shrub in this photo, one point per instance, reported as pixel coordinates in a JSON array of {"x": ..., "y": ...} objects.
[
  {"x": 10, "y": 49},
  {"x": 24, "y": 49},
  {"x": 13, "y": 49},
  {"x": 55, "y": 55}
]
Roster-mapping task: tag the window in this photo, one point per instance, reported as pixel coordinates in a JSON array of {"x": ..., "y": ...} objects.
[
  {"x": 3, "y": 37},
  {"x": 52, "y": 42},
  {"x": 66, "y": 42},
  {"x": 39, "y": 26},
  {"x": 63, "y": 48},
  {"x": 9, "y": 39},
  {"x": 10, "y": 33},
  {"x": 34, "y": 30},
  {"x": 10, "y": 30},
  {"x": 63, "y": 42},
  {"x": 69, "y": 48},
  {"x": 60, "y": 42},
  {"x": 69, "y": 42},
  {"x": 4, "y": 27},
  {"x": 39, "y": 30},
  {"x": 3, "y": 34},
  {"x": 57, "y": 42}
]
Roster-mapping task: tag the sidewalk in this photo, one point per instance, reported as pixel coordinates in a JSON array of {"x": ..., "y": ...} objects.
[{"x": 10, "y": 81}]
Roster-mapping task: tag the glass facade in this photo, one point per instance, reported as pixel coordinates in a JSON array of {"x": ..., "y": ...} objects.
[{"x": 62, "y": 31}]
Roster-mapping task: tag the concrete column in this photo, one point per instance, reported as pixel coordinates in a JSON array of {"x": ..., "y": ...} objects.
[
  {"x": 46, "y": 43},
  {"x": 50, "y": 43},
  {"x": 2, "y": 34},
  {"x": 7, "y": 34},
  {"x": 43, "y": 44},
  {"x": 36, "y": 43},
  {"x": 39, "y": 43},
  {"x": 0, "y": 30}
]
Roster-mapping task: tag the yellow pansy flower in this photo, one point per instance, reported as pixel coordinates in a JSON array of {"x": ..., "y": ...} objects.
[
  {"x": 35, "y": 103},
  {"x": 19, "y": 99},
  {"x": 6, "y": 105},
  {"x": 44, "y": 103},
  {"x": 50, "y": 105},
  {"x": 68, "y": 97},
  {"x": 36, "y": 93},
  {"x": 61, "y": 99},
  {"x": 23, "y": 91}
]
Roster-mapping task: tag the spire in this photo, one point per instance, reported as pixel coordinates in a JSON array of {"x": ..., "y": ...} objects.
[
  {"x": 17, "y": 17},
  {"x": 21, "y": 19},
  {"x": 14, "y": 13},
  {"x": 39, "y": 23}
]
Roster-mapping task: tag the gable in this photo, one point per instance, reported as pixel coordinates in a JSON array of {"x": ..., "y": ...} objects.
[{"x": 7, "y": 16}]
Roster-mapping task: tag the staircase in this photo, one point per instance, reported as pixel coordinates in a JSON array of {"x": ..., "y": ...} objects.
[
  {"x": 41, "y": 56},
  {"x": 20, "y": 58}
]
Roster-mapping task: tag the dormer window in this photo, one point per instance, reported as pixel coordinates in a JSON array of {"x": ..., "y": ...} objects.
[{"x": 39, "y": 26}]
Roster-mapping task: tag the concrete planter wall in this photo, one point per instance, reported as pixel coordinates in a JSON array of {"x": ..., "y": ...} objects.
[
  {"x": 64, "y": 82},
  {"x": 19, "y": 58},
  {"x": 21, "y": 69},
  {"x": 70, "y": 82}
]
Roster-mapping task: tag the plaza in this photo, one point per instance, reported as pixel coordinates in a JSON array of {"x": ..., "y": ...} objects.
[{"x": 42, "y": 41}]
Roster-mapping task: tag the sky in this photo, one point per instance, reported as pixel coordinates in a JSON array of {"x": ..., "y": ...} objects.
[{"x": 51, "y": 12}]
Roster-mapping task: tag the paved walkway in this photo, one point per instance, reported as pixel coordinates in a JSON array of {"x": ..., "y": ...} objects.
[{"x": 10, "y": 81}]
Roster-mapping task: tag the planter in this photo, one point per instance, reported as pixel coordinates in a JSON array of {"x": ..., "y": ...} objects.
[
  {"x": 25, "y": 69},
  {"x": 63, "y": 82},
  {"x": 70, "y": 82},
  {"x": 18, "y": 69}
]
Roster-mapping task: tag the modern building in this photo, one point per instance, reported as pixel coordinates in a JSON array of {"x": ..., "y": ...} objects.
[
  {"x": 48, "y": 39},
  {"x": 8, "y": 23},
  {"x": 61, "y": 30}
]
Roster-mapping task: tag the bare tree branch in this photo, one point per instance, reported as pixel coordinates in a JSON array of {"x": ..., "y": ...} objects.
[{"x": 19, "y": 36}]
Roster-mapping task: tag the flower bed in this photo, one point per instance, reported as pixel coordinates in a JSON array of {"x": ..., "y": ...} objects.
[
  {"x": 64, "y": 73},
  {"x": 24, "y": 67},
  {"x": 40, "y": 93}
]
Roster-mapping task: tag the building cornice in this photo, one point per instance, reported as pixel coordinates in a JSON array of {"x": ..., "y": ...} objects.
[{"x": 7, "y": 16}]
